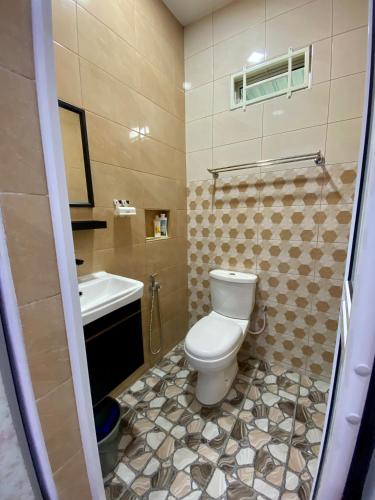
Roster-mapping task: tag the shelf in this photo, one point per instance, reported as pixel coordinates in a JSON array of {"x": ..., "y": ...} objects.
[
  {"x": 149, "y": 222},
  {"x": 83, "y": 225},
  {"x": 157, "y": 238}
]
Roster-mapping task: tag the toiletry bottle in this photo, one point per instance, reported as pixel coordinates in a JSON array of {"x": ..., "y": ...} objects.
[
  {"x": 163, "y": 225},
  {"x": 157, "y": 227}
]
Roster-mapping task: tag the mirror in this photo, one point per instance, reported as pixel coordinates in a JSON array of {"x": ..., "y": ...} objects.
[{"x": 76, "y": 155}]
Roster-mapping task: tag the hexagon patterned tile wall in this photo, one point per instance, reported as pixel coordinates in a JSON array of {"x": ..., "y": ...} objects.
[{"x": 288, "y": 224}]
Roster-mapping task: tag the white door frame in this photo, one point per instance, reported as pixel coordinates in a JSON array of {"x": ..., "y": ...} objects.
[
  {"x": 356, "y": 333},
  {"x": 20, "y": 371},
  {"x": 62, "y": 230}
]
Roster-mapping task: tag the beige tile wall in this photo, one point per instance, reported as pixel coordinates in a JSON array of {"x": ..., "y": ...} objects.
[
  {"x": 122, "y": 61},
  {"x": 27, "y": 220},
  {"x": 288, "y": 225}
]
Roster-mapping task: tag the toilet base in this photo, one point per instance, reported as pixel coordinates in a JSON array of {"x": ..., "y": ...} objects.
[{"x": 213, "y": 386}]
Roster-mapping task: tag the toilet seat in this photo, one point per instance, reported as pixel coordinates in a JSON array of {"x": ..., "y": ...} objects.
[{"x": 213, "y": 337}]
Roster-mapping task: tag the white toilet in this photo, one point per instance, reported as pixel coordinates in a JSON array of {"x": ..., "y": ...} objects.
[{"x": 211, "y": 345}]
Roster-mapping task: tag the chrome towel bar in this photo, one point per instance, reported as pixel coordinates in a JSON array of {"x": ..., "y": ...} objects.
[{"x": 317, "y": 157}]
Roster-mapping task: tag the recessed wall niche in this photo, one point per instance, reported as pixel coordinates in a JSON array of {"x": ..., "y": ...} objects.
[{"x": 150, "y": 215}]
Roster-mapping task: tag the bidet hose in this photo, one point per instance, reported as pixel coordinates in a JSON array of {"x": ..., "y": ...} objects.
[
  {"x": 261, "y": 330},
  {"x": 154, "y": 288}
]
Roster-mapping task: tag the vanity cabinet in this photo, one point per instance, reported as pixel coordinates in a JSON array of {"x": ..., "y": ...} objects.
[{"x": 114, "y": 349}]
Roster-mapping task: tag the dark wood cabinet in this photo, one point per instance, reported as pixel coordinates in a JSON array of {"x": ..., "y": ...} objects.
[{"x": 114, "y": 349}]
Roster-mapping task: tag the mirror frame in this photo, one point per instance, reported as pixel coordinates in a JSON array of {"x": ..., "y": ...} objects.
[{"x": 86, "y": 156}]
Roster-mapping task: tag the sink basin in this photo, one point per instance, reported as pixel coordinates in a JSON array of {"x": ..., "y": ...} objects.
[{"x": 102, "y": 293}]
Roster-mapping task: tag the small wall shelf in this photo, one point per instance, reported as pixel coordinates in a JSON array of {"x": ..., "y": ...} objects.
[
  {"x": 83, "y": 225},
  {"x": 153, "y": 238},
  {"x": 149, "y": 223}
]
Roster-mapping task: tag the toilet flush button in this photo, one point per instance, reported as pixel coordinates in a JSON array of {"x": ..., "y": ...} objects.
[
  {"x": 362, "y": 370},
  {"x": 353, "y": 418}
]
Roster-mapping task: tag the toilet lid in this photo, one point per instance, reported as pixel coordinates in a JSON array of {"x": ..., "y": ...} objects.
[{"x": 212, "y": 338}]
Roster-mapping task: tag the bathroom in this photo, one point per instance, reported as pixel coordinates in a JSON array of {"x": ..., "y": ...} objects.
[{"x": 183, "y": 256}]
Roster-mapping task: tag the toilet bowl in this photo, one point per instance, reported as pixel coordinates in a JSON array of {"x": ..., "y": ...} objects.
[{"x": 211, "y": 345}]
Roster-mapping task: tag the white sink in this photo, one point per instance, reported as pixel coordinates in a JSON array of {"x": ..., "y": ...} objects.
[{"x": 102, "y": 293}]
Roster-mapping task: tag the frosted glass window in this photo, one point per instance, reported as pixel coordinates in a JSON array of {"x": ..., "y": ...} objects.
[{"x": 283, "y": 75}]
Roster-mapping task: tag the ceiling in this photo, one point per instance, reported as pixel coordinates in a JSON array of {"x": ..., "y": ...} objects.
[{"x": 188, "y": 11}]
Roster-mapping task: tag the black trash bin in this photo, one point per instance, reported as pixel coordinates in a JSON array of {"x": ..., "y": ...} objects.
[{"x": 107, "y": 415}]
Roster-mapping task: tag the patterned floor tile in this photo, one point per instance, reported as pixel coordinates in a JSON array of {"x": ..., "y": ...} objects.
[
  {"x": 307, "y": 435},
  {"x": 261, "y": 442}
]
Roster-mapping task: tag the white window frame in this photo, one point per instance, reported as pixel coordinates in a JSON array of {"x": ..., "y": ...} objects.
[{"x": 246, "y": 71}]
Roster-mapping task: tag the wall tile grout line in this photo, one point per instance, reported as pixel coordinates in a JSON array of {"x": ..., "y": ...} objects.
[
  {"x": 227, "y": 75},
  {"x": 17, "y": 73},
  {"x": 132, "y": 45},
  {"x": 134, "y": 89},
  {"x": 322, "y": 124},
  {"x": 265, "y": 21}
]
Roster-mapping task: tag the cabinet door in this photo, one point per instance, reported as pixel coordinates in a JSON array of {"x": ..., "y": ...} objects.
[{"x": 113, "y": 354}]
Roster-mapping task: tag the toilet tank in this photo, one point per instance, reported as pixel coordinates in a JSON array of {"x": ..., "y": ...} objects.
[{"x": 232, "y": 293}]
